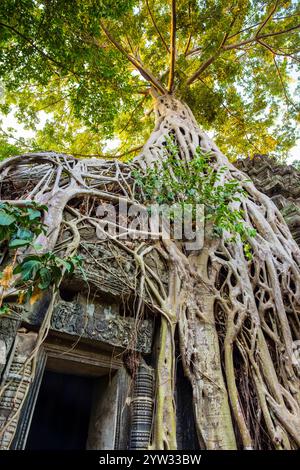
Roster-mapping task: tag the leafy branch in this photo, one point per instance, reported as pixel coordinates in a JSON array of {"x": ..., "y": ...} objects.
[
  {"x": 173, "y": 181},
  {"x": 19, "y": 227}
]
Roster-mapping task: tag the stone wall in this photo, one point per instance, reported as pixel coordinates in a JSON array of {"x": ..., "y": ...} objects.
[
  {"x": 17, "y": 383},
  {"x": 281, "y": 183},
  {"x": 98, "y": 320}
]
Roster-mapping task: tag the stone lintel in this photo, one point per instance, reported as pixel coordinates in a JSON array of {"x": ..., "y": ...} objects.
[{"x": 100, "y": 322}]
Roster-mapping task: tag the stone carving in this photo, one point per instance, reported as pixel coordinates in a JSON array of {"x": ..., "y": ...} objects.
[
  {"x": 101, "y": 322},
  {"x": 142, "y": 408},
  {"x": 8, "y": 329},
  {"x": 16, "y": 386},
  {"x": 105, "y": 274}
]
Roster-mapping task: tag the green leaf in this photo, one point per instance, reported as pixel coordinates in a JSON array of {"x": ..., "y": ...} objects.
[
  {"x": 4, "y": 310},
  {"x": 33, "y": 214},
  {"x": 18, "y": 242},
  {"x": 37, "y": 246},
  {"x": 36, "y": 257},
  {"x": 4, "y": 232},
  {"x": 24, "y": 234},
  {"x": 69, "y": 266},
  {"x": 6, "y": 219},
  {"x": 45, "y": 277},
  {"x": 29, "y": 269}
]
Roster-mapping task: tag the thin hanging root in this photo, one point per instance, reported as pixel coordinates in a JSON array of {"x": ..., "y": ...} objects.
[{"x": 237, "y": 319}]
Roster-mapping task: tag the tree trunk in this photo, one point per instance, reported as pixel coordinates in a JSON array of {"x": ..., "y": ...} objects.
[{"x": 236, "y": 338}]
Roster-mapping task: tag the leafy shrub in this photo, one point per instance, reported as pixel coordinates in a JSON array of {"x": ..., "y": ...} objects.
[
  {"x": 19, "y": 227},
  {"x": 173, "y": 180}
]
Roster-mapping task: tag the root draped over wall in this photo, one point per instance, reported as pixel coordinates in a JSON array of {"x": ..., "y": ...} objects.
[{"x": 236, "y": 318}]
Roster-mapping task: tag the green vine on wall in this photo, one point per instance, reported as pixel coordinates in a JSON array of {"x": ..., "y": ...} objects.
[{"x": 173, "y": 181}]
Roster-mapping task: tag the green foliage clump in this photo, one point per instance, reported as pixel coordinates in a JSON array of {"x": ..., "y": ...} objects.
[
  {"x": 7, "y": 149},
  {"x": 36, "y": 272},
  {"x": 174, "y": 181},
  {"x": 236, "y": 66},
  {"x": 20, "y": 225},
  {"x": 296, "y": 164},
  {"x": 44, "y": 270}
]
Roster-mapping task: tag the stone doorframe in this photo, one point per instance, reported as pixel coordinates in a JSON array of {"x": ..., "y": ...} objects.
[{"x": 60, "y": 355}]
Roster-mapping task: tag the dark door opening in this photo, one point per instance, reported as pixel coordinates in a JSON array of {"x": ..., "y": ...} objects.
[{"x": 61, "y": 416}]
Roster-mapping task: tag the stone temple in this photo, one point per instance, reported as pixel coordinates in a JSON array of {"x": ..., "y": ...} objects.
[{"x": 84, "y": 395}]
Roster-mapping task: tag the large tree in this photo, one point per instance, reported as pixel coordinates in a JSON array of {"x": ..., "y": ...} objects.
[{"x": 105, "y": 69}]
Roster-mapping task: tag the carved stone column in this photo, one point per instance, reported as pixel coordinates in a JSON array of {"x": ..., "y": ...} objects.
[
  {"x": 142, "y": 408},
  {"x": 8, "y": 329},
  {"x": 16, "y": 386}
]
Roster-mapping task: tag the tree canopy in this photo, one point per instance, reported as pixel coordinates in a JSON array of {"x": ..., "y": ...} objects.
[
  {"x": 228, "y": 306},
  {"x": 93, "y": 65}
]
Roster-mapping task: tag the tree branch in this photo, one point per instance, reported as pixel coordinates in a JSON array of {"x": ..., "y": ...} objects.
[
  {"x": 274, "y": 53},
  {"x": 194, "y": 51},
  {"x": 257, "y": 38},
  {"x": 146, "y": 74},
  {"x": 172, "y": 46},
  {"x": 269, "y": 16},
  {"x": 104, "y": 156},
  {"x": 202, "y": 68},
  {"x": 258, "y": 24},
  {"x": 156, "y": 27},
  {"x": 33, "y": 44},
  {"x": 268, "y": 35},
  {"x": 209, "y": 61},
  {"x": 186, "y": 49},
  {"x": 280, "y": 52},
  {"x": 288, "y": 100}
]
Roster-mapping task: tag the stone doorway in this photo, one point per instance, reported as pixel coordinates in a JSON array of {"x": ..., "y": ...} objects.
[
  {"x": 77, "y": 400},
  {"x": 62, "y": 413}
]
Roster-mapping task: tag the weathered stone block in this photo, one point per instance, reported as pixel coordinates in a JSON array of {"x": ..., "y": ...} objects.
[
  {"x": 101, "y": 322},
  {"x": 2, "y": 355}
]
